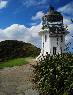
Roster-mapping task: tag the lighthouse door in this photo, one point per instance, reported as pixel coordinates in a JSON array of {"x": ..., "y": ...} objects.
[{"x": 54, "y": 50}]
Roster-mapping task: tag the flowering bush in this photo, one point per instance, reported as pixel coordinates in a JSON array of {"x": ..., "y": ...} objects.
[{"x": 54, "y": 75}]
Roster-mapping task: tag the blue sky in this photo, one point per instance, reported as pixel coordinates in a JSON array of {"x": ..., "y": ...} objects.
[
  {"x": 21, "y": 11},
  {"x": 21, "y": 19}
]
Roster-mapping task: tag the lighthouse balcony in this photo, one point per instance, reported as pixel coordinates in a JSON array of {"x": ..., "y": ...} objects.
[
  {"x": 53, "y": 33},
  {"x": 44, "y": 31}
]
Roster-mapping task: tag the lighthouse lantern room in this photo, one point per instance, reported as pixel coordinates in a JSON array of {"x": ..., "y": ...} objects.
[{"x": 53, "y": 33}]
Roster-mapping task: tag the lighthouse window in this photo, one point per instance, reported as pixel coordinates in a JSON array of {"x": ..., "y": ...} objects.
[
  {"x": 61, "y": 38},
  {"x": 57, "y": 41},
  {"x": 61, "y": 50},
  {"x": 45, "y": 38},
  {"x": 43, "y": 45},
  {"x": 54, "y": 50}
]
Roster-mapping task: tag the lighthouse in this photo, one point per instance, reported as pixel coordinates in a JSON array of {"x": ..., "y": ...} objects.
[{"x": 53, "y": 33}]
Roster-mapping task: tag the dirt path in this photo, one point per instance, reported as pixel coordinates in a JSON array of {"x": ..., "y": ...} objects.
[{"x": 17, "y": 80}]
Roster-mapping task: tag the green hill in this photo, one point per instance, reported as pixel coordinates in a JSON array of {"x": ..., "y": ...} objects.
[{"x": 14, "y": 49}]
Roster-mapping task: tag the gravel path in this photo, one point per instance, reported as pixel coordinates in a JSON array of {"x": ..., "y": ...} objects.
[{"x": 17, "y": 80}]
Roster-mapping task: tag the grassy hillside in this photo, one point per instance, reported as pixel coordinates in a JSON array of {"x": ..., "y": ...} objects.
[
  {"x": 15, "y": 62},
  {"x": 15, "y": 49}
]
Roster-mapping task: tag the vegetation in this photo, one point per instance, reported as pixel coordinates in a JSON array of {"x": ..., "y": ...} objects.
[
  {"x": 54, "y": 75},
  {"x": 10, "y": 49},
  {"x": 15, "y": 62}
]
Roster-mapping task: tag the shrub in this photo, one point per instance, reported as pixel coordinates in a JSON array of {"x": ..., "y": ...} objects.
[{"x": 54, "y": 75}]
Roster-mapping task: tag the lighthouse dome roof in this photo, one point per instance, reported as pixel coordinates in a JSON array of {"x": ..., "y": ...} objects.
[{"x": 53, "y": 15}]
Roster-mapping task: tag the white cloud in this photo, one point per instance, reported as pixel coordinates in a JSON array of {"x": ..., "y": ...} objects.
[
  {"x": 69, "y": 37},
  {"x": 67, "y": 12},
  {"x": 21, "y": 33},
  {"x": 34, "y": 30},
  {"x": 67, "y": 9},
  {"x": 38, "y": 15},
  {"x": 70, "y": 27},
  {"x": 41, "y": 2},
  {"x": 3, "y": 4},
  {"x": 67, "y": 21},
  {"x": 15, "y": 32},
  {"x": 29, "y": 3},
  {"x": 33, "y": 24}
]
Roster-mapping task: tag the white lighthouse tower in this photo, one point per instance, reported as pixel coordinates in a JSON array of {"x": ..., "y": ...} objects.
[{"x": 53, "y": 33}]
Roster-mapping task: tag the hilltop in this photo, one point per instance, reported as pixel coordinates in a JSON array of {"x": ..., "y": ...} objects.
[{"x": 10, "y": 49}]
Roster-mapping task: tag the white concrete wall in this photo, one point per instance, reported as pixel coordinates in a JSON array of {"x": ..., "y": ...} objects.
[
  {"x": 60, "y": 44},
  {"x": 47, "y": 44},
  {"x": 52, "y": 42},
  {"x": 46, "y": 47}
]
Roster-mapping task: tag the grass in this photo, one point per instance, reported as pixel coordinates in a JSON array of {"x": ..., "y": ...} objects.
[{"x": 15, "y": 62}]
